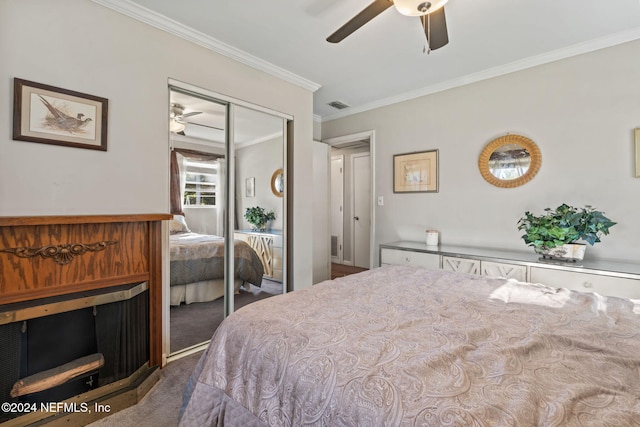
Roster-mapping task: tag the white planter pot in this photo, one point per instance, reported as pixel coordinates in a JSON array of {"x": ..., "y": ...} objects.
[{"x": 568, "y": 252}]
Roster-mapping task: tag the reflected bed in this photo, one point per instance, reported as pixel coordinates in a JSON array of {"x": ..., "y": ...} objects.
[{"x": 197, "y": 265}]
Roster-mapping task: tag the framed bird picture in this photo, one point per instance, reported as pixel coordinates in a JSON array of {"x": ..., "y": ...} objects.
[{"x": 51, "y": 115}]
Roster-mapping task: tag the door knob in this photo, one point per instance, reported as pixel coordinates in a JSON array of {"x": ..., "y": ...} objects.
[{"x": 357, "y": 218}]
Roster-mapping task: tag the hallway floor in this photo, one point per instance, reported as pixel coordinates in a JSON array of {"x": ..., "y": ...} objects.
[{"x": 341, "y": 270}]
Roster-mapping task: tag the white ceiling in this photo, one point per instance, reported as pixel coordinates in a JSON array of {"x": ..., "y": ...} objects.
[
  {"x": 250, "y": 126},
  {"x": 383, "y": 62}
]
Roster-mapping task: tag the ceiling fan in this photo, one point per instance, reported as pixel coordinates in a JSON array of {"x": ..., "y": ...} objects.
[
  {"x": 431, "y": 15},
  {"x": 177, "y": 116}
]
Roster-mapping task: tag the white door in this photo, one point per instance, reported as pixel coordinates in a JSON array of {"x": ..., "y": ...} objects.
[
  {"x": 361, "y": 191},
  {"x": 337, "y": 209}
]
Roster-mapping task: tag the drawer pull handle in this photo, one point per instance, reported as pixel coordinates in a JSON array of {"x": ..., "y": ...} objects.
[{"x": 588, "y": 285}]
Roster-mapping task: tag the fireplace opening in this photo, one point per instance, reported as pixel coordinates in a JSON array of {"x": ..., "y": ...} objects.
[
  {"x": 58, "y": 348},
  {"x": 52, "y": 341}
]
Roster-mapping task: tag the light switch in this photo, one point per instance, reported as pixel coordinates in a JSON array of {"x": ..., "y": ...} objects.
[{"x": 380, "y": 201}]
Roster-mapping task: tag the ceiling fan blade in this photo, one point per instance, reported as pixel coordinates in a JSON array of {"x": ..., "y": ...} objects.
[
  {"x": 435, "y": 28},
  {"x": 193, "y": 113},
  {"x": 366, "y": 15},
  {"x": 204, "y": 126}
]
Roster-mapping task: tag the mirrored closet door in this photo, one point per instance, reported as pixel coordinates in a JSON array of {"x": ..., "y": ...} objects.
[{"x": 227, "y": 172}]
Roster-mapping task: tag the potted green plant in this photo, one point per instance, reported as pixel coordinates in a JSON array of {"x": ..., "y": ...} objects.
[
  {"x": 258, "y": 217},
  {"x": 554, "y": 234}
]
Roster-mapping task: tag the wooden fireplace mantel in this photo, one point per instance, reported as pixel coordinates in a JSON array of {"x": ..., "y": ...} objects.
[{"x": 50, "y": 256}]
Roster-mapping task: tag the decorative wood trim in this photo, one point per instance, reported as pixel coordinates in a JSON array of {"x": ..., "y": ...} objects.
[
  {"x": 155, "y": 294},
  {"x": 12, "y": 221},
  {"x": 61, "y": 254}
]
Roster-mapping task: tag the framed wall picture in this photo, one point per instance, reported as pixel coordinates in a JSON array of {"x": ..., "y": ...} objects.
[
  {"x": 250, "y": 187},
  {"x": 51, "y": 115},
  {"x": 416, "y": 172}
]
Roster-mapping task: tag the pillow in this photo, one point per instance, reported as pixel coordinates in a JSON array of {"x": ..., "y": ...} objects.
[{"x": 178, "y": 225}]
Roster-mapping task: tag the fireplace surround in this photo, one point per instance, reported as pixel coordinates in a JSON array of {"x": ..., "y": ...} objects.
[{"x": 80, "y": 315}]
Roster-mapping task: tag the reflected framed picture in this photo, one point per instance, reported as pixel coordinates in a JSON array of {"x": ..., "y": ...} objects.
[
  {"x": 637, "y": 151},
  {"x": 416, "y": 172},
  {"x": 51, "y": 115},
  {"x": 250, "y": 187}
]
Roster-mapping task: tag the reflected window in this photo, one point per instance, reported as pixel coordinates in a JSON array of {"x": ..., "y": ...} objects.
[{"x": 200, "y": 183}]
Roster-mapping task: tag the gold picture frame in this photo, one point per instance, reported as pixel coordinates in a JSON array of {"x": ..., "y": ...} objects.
[
  {"x": 637, "y": 151},
  {"x": 51, "y": 115},
  {"x": 416, "y": 172}
]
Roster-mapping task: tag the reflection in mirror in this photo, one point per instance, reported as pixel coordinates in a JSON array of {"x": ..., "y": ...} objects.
[
  {"x": 509, "y": 161},
  {"x": 277, "y": 183},
  {"x": 198, "y": 164},
  {"x": 202, "y": 192},
  {"x": 258, "y": 155}
]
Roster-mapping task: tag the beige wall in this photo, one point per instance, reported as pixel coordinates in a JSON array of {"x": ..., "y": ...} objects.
[
  {"x": 82, "y": 46},
  {"x": 580, "y": 111},
  {"x": 259, "y": 161}
]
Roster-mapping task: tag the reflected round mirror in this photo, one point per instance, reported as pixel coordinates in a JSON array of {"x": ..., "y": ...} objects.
[
  {"x": 277, "y": 182},
  {"x": 509, "y": 161}
]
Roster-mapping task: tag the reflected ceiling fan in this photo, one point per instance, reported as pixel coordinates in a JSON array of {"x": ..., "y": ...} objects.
[
  {"x": 177, "y": 116},
  {"x": 431, "y": 15}
]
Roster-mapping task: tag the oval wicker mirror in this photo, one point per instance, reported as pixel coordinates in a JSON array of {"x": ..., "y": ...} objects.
[
  {"x": 509, "y": 161},
  {"x": 277, "y": 183}
]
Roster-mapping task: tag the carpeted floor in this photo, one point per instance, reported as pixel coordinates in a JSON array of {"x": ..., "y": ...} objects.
[
  {"x": 195, "y": 323},
  {"x": 190, "y": 324},
  {"x": 160, "y": 407}
]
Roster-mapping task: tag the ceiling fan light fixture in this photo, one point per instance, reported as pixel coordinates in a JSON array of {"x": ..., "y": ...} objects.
[
  {"x": 175, "y": 126},
  {"x": 418, "y": 7}
]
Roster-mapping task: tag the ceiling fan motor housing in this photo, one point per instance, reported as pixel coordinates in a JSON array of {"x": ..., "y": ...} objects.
[
  {"x": 176, "y": 109},
  {"x": 424, "y": 7},
  {"x": 418, "y": 7}
]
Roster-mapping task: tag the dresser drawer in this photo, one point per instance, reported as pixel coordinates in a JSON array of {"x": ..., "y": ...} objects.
[
  {"x": 586, "y": 282},
  {"x": 502, "y": 269},
  {"x": 460, "y": 265},
  {"x": 417, "y": 259}
]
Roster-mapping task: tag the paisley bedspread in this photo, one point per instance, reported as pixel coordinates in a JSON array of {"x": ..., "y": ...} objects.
[
  {"x": 403, "y": 346},
  {"x": 197, "y": 257}
]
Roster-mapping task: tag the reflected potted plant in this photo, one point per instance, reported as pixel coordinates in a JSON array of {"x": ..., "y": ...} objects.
[
  {"x": 555, "y": 233},
  {"x": 258, "y": 217}
]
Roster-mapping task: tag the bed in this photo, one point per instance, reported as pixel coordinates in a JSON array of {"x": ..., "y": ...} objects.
[
  {"x": 407, "y": 346},
  {"x": 197, "y": 265}
]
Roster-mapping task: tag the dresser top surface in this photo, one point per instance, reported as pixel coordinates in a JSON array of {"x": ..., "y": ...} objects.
[
  {"x": 523, "y": 257},
  {"x": 268, "y": 232}
]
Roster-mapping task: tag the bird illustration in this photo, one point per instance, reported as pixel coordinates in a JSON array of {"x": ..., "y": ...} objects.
[{"x": 63, "y": 121}]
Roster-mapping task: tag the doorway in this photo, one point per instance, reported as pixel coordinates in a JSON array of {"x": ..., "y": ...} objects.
[
  {"x": 361, "y": 211},
  {"x": 352, "y": 209},
  {"x": 337, "y": 208},
  {"x": 226, "y": 152}
]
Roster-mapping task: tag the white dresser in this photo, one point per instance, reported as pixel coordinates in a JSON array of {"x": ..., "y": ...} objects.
[
  {"x": 268, "y": 246},
  {"x": 607, "y": 278}
]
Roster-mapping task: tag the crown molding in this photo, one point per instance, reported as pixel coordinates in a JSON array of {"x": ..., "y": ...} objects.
[
  {"x": 557, "y": 55},
  {"x": 147, "y": 16}
]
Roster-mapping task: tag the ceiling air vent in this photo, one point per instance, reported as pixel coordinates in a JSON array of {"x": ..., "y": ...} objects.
[{"x": 339, "y": 105}]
